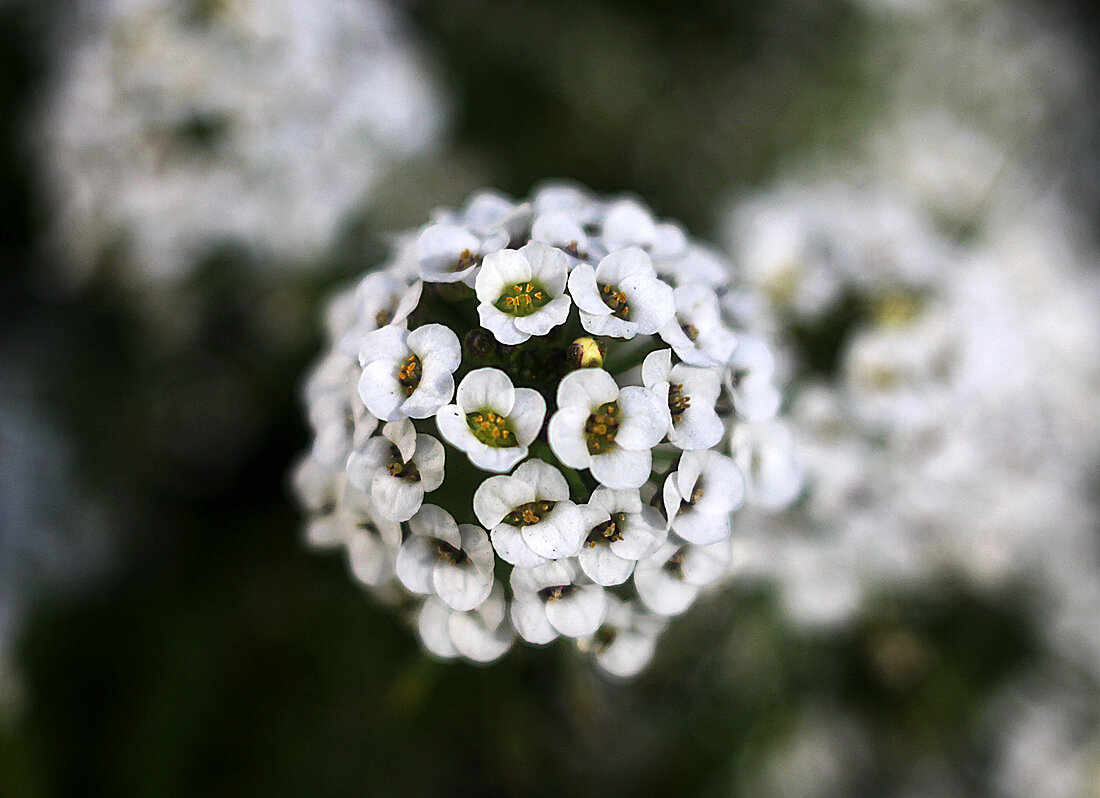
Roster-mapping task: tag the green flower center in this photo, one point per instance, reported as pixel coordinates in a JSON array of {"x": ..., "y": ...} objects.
[
  {"x": 600, "y": 429},
  {"x": 616, "y": 300},
  {"x": 677, "y": 402},
  {"x": 409, "y": 373},
  {"x": 609, "y": 531},
  {"x": 530, "y": 513},
  {"x": 492, "y": 429},
  {"x": 522, "y": 299}
]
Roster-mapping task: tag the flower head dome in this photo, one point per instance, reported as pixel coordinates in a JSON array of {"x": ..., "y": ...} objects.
[{"x": 529, "y": 420}]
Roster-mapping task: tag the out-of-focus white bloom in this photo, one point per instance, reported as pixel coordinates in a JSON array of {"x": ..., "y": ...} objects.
[
  {"x": 700, "y": 495},
  {"x": 529, "y": 515},
  {"x": 522, "y": 292},
  {"x": 397, "y": 469},
  {"x": 480, "y": 635},
  {"x": 492, "y": 421},
  {"x": 622, "y": 296},
  {"x": 633, "y": 412},
  {"x": 177, "y": 128},
  {"x": 697, "y": 334},
  {"x": 765, "y": 453},
  {"x": 607, "y": 429},
  {"x": 408, "y": 374},
  {"x": 625, "y": 642},
  {"x": 691, "y": 394},
  {"x": 443, "y": 558},
  {"x": 669, "y": 580},
  {"x": 553, "y": 599},
  {"x": 618, "y": 531}
]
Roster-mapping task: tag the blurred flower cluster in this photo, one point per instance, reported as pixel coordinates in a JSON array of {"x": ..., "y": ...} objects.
[
  {"x": 175, "y": 128},
  {"x": 584, "y": 333}
]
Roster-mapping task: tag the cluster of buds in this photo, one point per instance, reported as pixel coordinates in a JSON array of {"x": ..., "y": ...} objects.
[{"x": 537, "y": 420}]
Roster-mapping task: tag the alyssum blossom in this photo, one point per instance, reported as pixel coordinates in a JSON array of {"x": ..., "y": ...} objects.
[{"x": 567, "y": 373}]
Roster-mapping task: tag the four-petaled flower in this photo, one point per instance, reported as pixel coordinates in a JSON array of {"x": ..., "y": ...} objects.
[
  {"x": 606, "y": 429},
  {"x": 700, "y": 495},
  {"x": 397, "y": 469},
  {"x": 443, "y": 558},
  {"x": 521, "y": 292},
  {"x": 697, "y": 333},
  {"x": 408, "y": 374},
  {"x": 491, "y": 420},
  {"x": 553, "y": 599},
  {"x": 622, "y": 297},
  {"x": 529, "y": 515},
  {"x": 690, "y": 394},
  {"x": 619, "y": 530}
]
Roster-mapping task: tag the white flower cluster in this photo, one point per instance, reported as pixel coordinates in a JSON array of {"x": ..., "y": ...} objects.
[
  {"x": 537, "y": 419},
  {"x": 177, "y": 126},
  {"x": 950, "y": 430}
]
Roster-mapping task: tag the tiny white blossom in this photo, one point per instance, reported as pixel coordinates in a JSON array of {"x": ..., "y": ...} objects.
[
  {"x": 408, "y": 374},
  {"x": 619, "y": 530},
  {"x": 695, "y": 264},
  {"x": 625, "y": 641},
  {"x": 337, "y": 415},
  {"x": 622, "y": 297},
  {"x": 441, "y": 557},
  {"x": 750, "y": 379},
  {"x": 606, "y": 429},
  {"x": 562, "y": 231},
  {"x": 489, "y": 213},
  {"x": 482, "y": 634},
  {"x": 765, "y": 452},
  {"x": 397, "y": 469},
  {"x": 521, "y": 292},
  {"x": 697, "y": 333},
  {"x": 627, "y": 223},
  {"x": 690, "y": 393},
  {"x": 381, "y": 298},
  {"x": 529, "y": 515},
  {"x": 553, "y": 599},
  {"x": 449, "y": 253},
  {"x": 571, "y": 200},
  {"x": 492, "y": 421},
  {"x": 670, "y": 579},
  {"x": 701, "y": 494}
]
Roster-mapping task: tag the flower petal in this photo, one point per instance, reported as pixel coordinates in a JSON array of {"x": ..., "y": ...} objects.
[
  {"x": 603, "y": 566},
  {"x": 546, "y": 318},
  {"x": 587, "y": 388},
  {"x": 509, "y": 544},
  {"x": 486, "y": 389},
  {"x": 529, "y": 618},
  {"x": 547, "y": 481},
  {"x": 578, "y": 613},
  {"x": 559, "y": 535},
  {"x": 496, "y": 497},
  {"x": 566, "y": 436},
  {"x": 381, "y": 392},
  {"x": 644, "y": 419},
  {"x": 527, "y": 415},
  {"x": 501, "y": 325},
  {"x": 461, "y": 586},
  {"x": 585, "y": 291},
  {"x": 415, "y": 565},
  {"x": 433, "y": 625},
  {"x": 622, "y": 468},
  {"x": 499, "y": 270},
  {"x": 549, "y": 266},
  {"x": 437, "y": 343},
  {"x": 394, "y": 498}
]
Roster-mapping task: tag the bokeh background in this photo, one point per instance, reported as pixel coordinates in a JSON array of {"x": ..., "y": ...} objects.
[{"x": 182, "y": 184}]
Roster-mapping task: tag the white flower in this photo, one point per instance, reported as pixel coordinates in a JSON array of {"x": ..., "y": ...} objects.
[
  {"x": 750, "y": 379},
  {"x": 622, "y": 296},
  {"x": 695, "y": 264},
  {"x": 765, "y": 452},
  {"x": 380, "y": 299},
  {"x": 397, "y": 469},
  {"x": 701, "y": 494},
  {"x": 521, "y": 292},
  {"x": 697, "y": 334},
  {"x": 337, "y": 414},
  {"x": 606, "y": 429},
  {"x": 619, "y": 530},
  {"x": 562, "y": 231},
  {"x": 372, "y": 544},
  {"x": 442, "y": 558},
  {"x": 529, "y": 515},
  {"x": 550, "y": 600},
  {"x": 482, "y": 634},
  {"x": 488, "y": 213},
  {"x": 449, "y": 253},
  {"x": 625, "y": 641},
  {"x": 492, "y": 421},
  {"x": 408, "y": 374},
  {"x": 669, "y": 580},
  {"x": 571, "y": 200},
  {"x": 690, "y": 393},
  {"x": 627, "y": 224}
]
